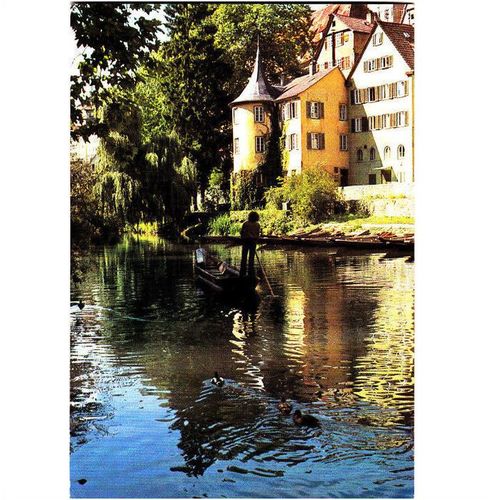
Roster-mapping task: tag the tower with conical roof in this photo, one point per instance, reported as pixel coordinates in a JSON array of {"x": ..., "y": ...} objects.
[{"x": 252, "y": 117}]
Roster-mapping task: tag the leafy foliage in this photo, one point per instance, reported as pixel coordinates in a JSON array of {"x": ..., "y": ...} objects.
[
  {"x": 272, "y": 222},
  {"x": 283, "y": 29},
  {"x": 313, "y": 196},
  {"x": 114, "y": 39}
]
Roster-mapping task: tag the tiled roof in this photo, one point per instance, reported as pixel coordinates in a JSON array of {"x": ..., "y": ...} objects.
[
  {"x": 302, "y": 83},
  {"x": 403, "y": 38},
  {"x": 257, "y": 89},
  {"x": 355, "y": 24},
  {"x": 319, "y": 18}
]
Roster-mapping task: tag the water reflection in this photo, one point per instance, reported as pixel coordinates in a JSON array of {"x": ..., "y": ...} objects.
[{"x": 337, "y": 342}]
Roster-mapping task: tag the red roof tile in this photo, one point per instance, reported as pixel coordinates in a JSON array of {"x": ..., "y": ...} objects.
[{"x": 355, "y": 24}]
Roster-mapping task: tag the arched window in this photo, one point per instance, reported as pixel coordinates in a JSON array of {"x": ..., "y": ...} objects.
[
  {"x": 373, "y": 154},
  {"x": 387, "y": 153},
  {"x": 401, "y": 152},
  {"x": 360, "y": 154}
]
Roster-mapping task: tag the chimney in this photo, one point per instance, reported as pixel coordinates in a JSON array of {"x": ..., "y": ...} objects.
[{"x": 312, "y": 67}]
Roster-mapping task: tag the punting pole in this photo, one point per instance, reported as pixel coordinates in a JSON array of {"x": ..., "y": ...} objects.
[{"x": 265, "y": 275}]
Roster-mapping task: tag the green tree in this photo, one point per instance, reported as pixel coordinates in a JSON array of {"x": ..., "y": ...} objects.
[
  {"x": 193, "y": 74},
  {"x": 114, "y": 38},
  {"x": 284, "y": 38}
]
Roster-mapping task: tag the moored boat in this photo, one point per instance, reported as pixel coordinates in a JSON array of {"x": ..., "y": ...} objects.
[{"x": 221, "y": 277}]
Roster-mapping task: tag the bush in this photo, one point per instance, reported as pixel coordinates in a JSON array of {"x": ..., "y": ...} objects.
[
  {"x": 223, "y": 226},
  {"x": 313, "y": 196},
  {"x": 271, "y": 221}
]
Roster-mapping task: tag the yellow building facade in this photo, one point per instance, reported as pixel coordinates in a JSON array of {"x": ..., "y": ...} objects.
[
  {"x": 251, "y": 131},
  {"x": 314, "y": 125}
]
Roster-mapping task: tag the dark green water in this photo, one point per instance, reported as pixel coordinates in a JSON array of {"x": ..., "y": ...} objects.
[{"x": 146, "y": 422}]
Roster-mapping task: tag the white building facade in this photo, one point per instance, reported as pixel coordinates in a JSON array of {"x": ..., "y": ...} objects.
[{"x": 381, "y": 104}]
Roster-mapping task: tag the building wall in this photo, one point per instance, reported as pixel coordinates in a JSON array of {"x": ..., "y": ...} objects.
[
  {"x": 292, "y": 159},
  {"x": 330, "y": 55},
  {"x": 246, "y": 129},
  {"x": 332, "y": 92},
  {"x": 379, "y": 139}
]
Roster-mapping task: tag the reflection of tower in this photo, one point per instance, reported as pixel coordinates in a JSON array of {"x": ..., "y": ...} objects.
[{"x": 252, "y": 116}]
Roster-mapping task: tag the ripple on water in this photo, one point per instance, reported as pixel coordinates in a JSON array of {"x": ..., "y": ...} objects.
[{"x": 338, "y": 343}]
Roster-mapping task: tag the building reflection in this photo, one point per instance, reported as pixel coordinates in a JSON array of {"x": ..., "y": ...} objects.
[{"x": 339, "y": 333}]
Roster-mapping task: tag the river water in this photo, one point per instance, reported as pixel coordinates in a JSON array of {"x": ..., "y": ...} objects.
[{"x": 337, "y": 342}]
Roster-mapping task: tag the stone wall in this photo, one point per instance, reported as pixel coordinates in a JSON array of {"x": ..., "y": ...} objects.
[{"x": 391, "y": 200}]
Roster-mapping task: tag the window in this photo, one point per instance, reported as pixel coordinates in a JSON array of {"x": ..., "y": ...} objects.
[
  {"x": 344, "y": 62},
  {"x": 293, "y": 109},
  {"x": 258, "y": 113},
  {"x": 343, "y": 142},
  {"x": 340, "y": 39},
  {"x": 283, "y": 112},
  {"x": 378, "y": 38},
  {"x": 359, "y": 154},
  {"x": 385, "y": 62},
  {"x": 315, "y": 140},
  {"x": 343, "y": 112},
  {"x": 325, "y": 65},
  {"x": 387, "y": 153},
  {"x": 325, "y": 46},
  {"x": 315, "y": 109},
  {"x": 370, "y": 65},
  {"x": 292, "y": 142},
  {"x": 236, "y": 146},
  {"x": 371, "y": 94},
  {"x": 401, "y": 89},
  {"x": 355, "y": 96},
  {"x": 379, "y": 63},
  {"x": 358, "y": 124},
  {"x": 401, "y": 119},
  {"x": 386, "y": 121},
  {"x": 260, "y": 144},
  {"x": 235, "y": 116},
  {"x": 401, "y": 152},
  {"x": 373, "y": 154},
  {"x": 372, "y": 178}
]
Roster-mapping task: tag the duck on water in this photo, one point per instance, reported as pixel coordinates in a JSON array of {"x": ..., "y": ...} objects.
[
  {"x": 217, "y": 380},
  {"x": 307, "y": 420}
]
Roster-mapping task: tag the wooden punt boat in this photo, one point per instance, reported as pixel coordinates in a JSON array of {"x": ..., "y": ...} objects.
[
  {"x": 399, "y": 242},
  {"x": 359, "y": 242},
  {"x": 221, "y": 277}
]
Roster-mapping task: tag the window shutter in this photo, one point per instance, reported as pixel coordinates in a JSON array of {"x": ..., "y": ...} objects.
[
  {"x": 352, "y": 96},
  {"x": 321, "y": 110},
  {"x": 406, "y": 118},
  {"x": 308, "y": 140},
  {"x": 406, "y": 87},
  {"x": 321, "y": 140},
  {"x": 353, "y": 125},
  {"x": 365, "y": 66},
  {"x": 364, "y": 124},
  {"x": 308, "y": 109}
]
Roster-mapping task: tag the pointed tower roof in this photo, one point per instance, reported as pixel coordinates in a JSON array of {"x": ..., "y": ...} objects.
[{"x": 257, "y": 89}]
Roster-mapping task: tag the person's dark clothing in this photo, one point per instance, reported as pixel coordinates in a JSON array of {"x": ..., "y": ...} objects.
[{"x": 250, "y": 232}]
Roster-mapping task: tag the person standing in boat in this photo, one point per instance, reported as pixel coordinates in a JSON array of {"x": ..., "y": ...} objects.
[{"x": 250, "y": 232}]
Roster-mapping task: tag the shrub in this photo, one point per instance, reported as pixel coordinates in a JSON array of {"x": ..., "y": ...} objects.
[
  {"x": 313, "y": 195},
  {"x": 271, "y": 221}
]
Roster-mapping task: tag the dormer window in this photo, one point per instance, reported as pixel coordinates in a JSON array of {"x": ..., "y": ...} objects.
[
  {"x": 258, "y": 114},
  {"x": 378, "y": 38}
]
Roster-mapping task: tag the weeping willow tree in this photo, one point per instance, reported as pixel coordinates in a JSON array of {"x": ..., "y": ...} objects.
[{"x": 138, "y": 181}]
